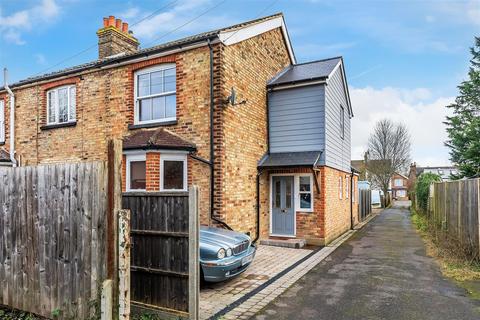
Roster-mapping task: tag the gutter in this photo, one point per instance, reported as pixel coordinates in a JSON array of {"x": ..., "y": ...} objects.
[{"x": 12, "y": 117}]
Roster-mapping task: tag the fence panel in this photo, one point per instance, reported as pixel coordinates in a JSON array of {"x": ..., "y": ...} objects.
[
  {"x": 52, "y": 237},
  {"x": 454, "y": 211},
  {"x": 364, "y": 203},
  {"x": 159, "y": 254}
]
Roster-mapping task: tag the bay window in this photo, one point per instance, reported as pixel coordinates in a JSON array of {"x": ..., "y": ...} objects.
[
  {"x": 155, "y": 94},
  {"x": 61, "y": 105}
]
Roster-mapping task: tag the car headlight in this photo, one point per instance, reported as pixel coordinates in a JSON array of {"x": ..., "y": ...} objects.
[
  {"x": 221, "y": 253},
  {"x": 229, "y": 252}
]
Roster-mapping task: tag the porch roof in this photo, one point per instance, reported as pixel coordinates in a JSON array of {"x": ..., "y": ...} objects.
[
  {"x": 290, "y": 159},
  {"x": 156, "y": 139}
]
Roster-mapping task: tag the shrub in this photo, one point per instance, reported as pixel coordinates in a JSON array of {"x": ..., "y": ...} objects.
[{"x": 422, "y": 188}]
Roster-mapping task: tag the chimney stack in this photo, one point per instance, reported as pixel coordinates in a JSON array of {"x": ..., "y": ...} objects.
[{"x": 114, "y": 38}]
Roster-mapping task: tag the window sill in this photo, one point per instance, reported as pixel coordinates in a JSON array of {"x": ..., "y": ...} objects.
[
  {"x": 60, "y": 125},
  {"x": 152, "y": 125}
]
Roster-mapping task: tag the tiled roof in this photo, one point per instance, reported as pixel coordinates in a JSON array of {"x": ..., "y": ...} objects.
[
  {"x": 290, "y": 159},
  {"x": 147, "y": 51},
  {"x": 306, "y": 71},
  {"x": 4, "y": 156},
  {"x": 156, "y": 139}
]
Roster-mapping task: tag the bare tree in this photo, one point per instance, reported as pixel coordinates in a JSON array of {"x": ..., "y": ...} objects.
[{"x": 389, "y": 152}]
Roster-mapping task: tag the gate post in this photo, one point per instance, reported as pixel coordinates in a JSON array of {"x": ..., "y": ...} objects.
[
  {"x": 193, "y": 254},
  {"x": 124, "y": 264}
]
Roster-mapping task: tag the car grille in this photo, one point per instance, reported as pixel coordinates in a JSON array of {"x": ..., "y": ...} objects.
[{"x": 239, "y": 248}]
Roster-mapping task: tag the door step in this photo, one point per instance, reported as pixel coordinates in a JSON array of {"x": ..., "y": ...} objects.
[{"x": 286, "y": 243}]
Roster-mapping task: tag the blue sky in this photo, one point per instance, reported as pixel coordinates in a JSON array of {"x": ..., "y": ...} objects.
[{"x": 404, "y": 59}]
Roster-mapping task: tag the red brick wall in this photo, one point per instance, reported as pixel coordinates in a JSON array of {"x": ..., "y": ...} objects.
[
  {"x": 105, "y": 109},
  {"x": 337, "y": 211},
  {"x": 153, "y": 171}
]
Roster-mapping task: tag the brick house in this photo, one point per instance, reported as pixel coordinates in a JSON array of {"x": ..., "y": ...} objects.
[
  {"x": 399, "y": 186},
  {"x": 190, "y": 111}
]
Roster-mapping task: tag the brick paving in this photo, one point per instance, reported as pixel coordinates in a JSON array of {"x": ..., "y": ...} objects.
[
  {"x": 257, "y": 302},
  {"x": 269, "y": 261}
]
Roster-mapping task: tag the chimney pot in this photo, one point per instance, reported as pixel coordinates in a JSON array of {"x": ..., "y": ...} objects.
[{"x": 114, "y": 41}]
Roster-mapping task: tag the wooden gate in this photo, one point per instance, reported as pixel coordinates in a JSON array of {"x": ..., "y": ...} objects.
[{"x": 160, "y": 250}]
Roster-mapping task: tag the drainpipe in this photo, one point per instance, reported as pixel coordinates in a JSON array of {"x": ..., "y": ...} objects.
[
  {"x": 212, "y": 149},
  {"x": 12, "y": 118},
  {"x": 257, "y": 236}
]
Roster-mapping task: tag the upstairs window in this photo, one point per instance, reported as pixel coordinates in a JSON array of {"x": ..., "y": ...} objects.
[
  {"x": 398, "y": 183},
  {"x": 2, "y": 121},
  {"x": 155, "y": 94},
  {"x": 61, "y": 105},
  {"x": 342, "y": 122}
]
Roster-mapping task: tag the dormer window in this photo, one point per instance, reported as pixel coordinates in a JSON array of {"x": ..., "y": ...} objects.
[
  {"x": 155, "y": 94},
  {"x": 61, "y": 105}
]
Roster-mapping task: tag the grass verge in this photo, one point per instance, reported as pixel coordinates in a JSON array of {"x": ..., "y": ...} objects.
[{"x": 453, "y": 264}]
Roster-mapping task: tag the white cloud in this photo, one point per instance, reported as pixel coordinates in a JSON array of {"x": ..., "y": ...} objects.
[
  {"x": 323, "y": 50},
  {"x": 460, "y": 11},
  {"x": 422, "y": 114},
  {"x": 12, "y": 26},
  {"x": 171, "y": 18}
]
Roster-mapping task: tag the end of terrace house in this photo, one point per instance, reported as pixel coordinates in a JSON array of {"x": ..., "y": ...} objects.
[{"x": 266, "y": 139}]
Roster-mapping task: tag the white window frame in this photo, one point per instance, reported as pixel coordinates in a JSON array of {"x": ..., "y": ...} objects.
[
  {"x": 137, "y": 98},
  {"x": 174, "y": 157},
  {"x": 340, "y": 187},
  {"x": 347, "y": 186},
  {"x": 133, "y": 158},
  {"x": 353, "y": 190},
  {"x": 57, "y": 113},
  {"x": 298, "y": 192},
  {"x": 2, "y": 121},
  {"x": 395, "y": 182}
]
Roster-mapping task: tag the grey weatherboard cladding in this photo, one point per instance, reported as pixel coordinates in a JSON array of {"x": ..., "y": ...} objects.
[{"x": 307, "y": 118}]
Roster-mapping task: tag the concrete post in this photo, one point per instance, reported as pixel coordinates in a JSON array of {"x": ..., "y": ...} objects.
[{"x": 193, "y": 254}]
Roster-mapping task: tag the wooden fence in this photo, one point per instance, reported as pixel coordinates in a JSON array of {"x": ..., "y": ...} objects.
[
  {"x": 53, "y": 237},
  {"x": 454, "y": 209},
  {"x": 164, "y": 266},
  {"x": 364, "y": 203}
]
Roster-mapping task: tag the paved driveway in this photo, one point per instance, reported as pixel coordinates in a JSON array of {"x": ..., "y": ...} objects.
[
  {"x": 269, "y": 261},
  {"x": 382, "y": 272}
]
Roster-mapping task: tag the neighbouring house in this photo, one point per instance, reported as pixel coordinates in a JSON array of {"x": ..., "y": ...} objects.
[
  {"x": 399, "y": 186},
  {"x": 445, "y": 172},
  {"x": 266, "y": 140}
]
